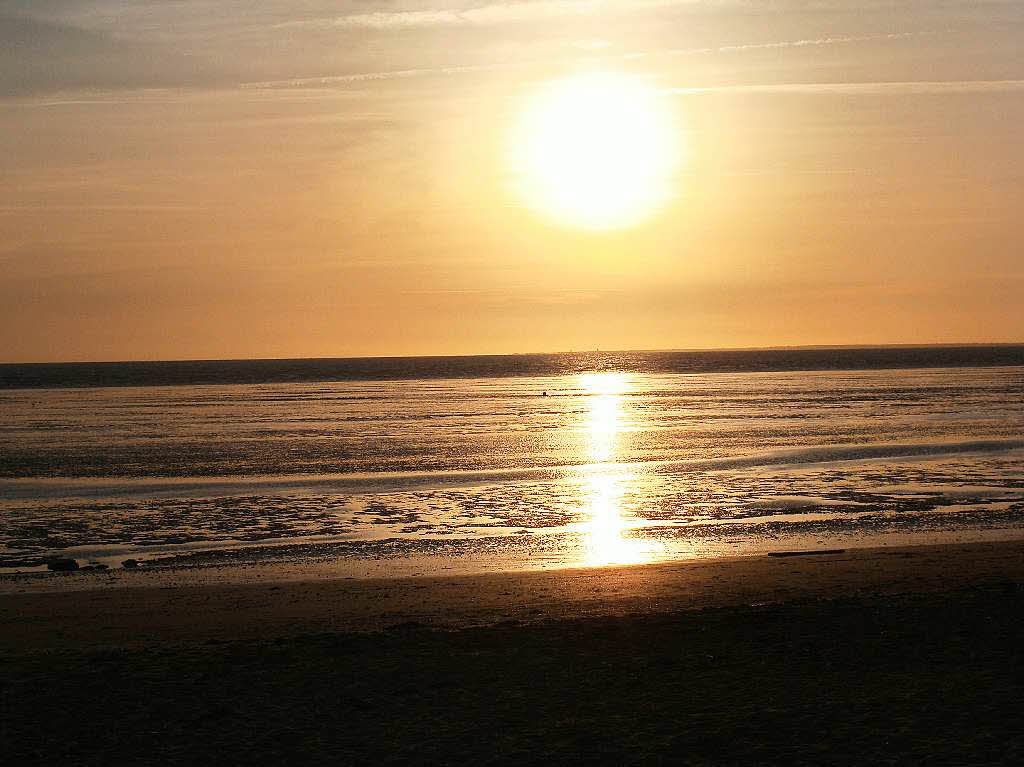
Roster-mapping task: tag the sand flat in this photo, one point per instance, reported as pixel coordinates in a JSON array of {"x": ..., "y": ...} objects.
[
  {"x": 890, "y": 656},
  {"x": 143, "y": 608}
]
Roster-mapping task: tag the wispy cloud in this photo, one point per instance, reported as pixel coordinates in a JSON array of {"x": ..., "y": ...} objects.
[
  {"x": 806, "y": 43},
  {"x": 46, "y": 208},
  {"x": 38, "y": 56},
  {"x": 329, "y": 80},
  {"x": 358, "y": 77},
  {"x": 869, "y": 88},
  {"x": 488, "y": 15},
  {"x": 521, "y": 11}
]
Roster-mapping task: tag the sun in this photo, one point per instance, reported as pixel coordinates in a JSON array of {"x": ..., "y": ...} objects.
[{"x": 595, "y": 151}]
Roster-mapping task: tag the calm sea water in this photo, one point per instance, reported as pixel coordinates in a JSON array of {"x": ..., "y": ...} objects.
[{"x": 494, "y": 462}]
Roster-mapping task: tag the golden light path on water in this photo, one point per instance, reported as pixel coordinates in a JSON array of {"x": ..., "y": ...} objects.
[{"x": 607, "y": 527}]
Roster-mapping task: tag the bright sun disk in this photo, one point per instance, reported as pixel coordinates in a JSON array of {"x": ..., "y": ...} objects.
[{"x": 595, "y": 151}]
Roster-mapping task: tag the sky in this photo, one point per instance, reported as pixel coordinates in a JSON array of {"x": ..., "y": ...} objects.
[{"x": 194, "y": 179}]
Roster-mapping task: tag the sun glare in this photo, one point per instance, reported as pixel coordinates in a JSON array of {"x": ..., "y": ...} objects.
[
  {"x": 595, "y": 151},
  {"x": 607, "y": 528}
]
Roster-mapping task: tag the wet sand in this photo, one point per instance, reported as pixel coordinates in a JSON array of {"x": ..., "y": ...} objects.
[{"x": 863, "y": 656}]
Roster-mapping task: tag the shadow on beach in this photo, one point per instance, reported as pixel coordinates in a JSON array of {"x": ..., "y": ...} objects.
[{"x": 879, "y": 680}]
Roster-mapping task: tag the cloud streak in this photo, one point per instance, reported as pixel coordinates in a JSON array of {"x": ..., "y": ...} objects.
[
  {"x": 524, "y": 11},
  {"x": 331, "y": 80},
  {"x": 487, "y": 15},
  {"x": 869, "y": 88},
  {"x": 806, "y": 43}
]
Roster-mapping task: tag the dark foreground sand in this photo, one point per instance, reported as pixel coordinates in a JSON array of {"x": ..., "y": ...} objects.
[{"x": 878, "y": 656}]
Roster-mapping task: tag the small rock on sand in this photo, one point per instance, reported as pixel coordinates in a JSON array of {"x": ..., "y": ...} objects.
[
  {"x": 130, "y": 564},
  {"x": 813, "y": 553},
  {"x": 62, "y": 565}
]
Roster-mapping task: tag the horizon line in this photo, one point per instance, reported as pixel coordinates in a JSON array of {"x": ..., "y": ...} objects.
[{"x": 706, "y": 349}]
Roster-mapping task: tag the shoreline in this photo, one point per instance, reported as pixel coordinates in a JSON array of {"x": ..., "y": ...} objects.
[
  {"x": 328, "y": 557},
  {"x": 156, "y": 610}
]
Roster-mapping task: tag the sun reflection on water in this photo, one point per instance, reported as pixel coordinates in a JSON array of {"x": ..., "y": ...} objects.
[{"x": 606, "y": 530}]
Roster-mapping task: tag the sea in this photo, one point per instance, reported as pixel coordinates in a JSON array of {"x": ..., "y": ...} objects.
[{"x": 394, "y": 466}]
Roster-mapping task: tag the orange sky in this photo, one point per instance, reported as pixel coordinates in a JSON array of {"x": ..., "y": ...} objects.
[{"x": 205, "y": 180}]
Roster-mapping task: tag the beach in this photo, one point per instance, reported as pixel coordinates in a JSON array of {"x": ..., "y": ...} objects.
[
  {"x": 889, "y": 655},
  {"x": 753, "y": 563}
]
